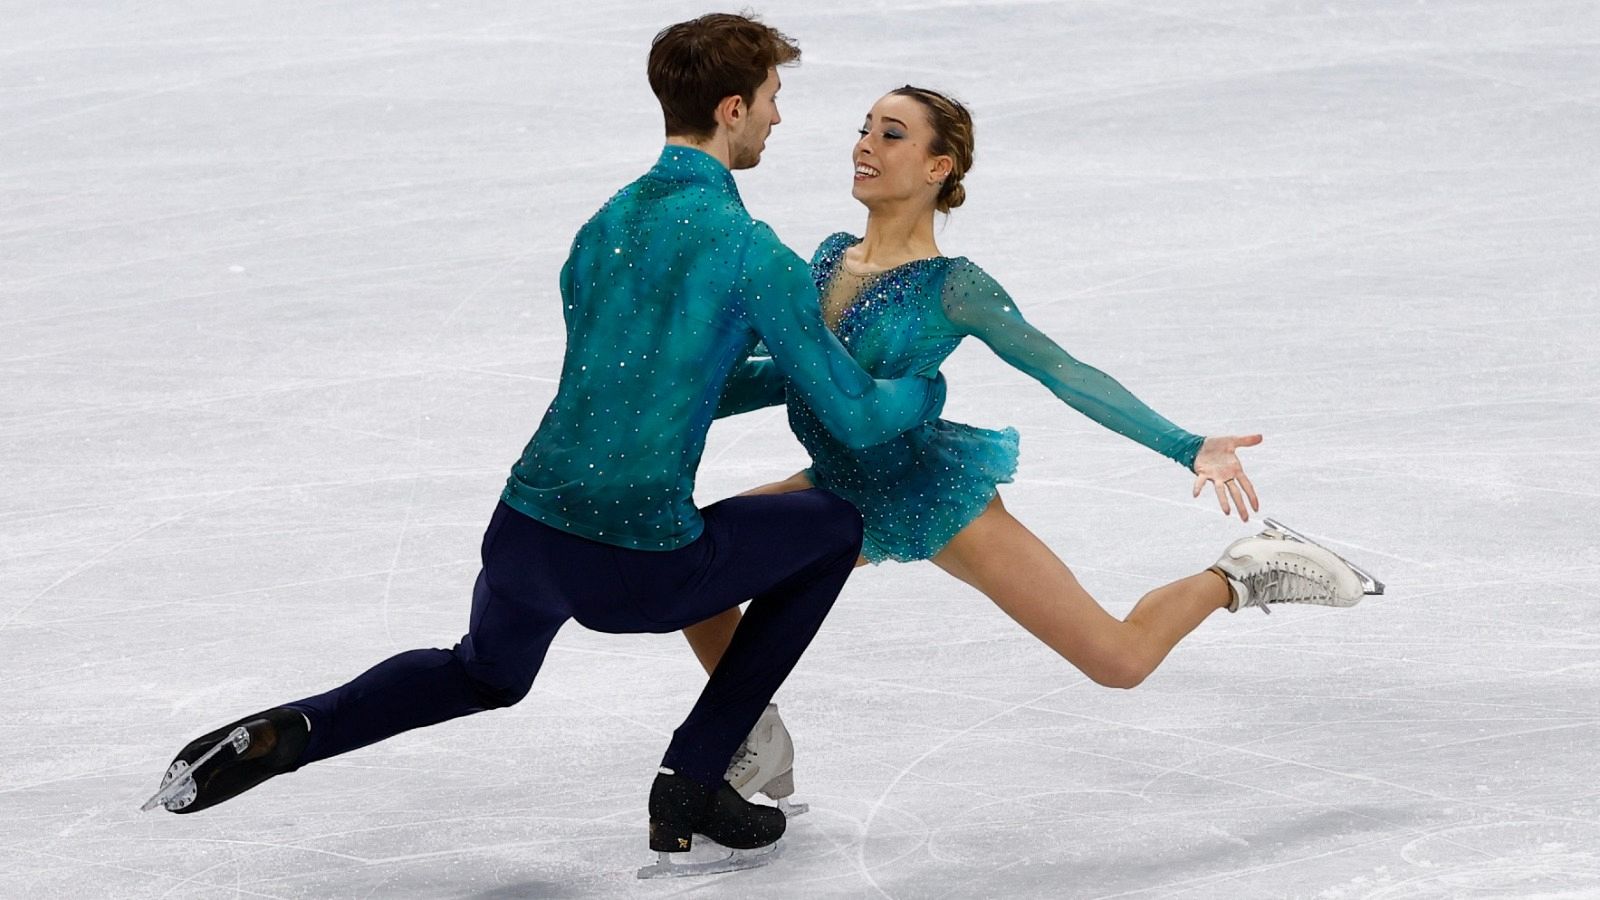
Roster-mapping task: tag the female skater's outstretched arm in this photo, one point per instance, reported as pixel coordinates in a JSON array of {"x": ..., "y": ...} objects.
[{"x": 977, "y": 305}]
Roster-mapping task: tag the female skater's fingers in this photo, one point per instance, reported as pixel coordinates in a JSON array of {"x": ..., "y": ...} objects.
[
  {"x": 1199, "y": 485},
  {"x": 1238, "y": 501},
  {"x": 1222, "y": 498},
  {"x": 1249, "y": 490}
]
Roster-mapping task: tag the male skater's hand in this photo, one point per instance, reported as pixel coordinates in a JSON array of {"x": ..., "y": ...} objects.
[
  {"x": 929, "y": 391},
  {"x": 1217, "y": 463}
]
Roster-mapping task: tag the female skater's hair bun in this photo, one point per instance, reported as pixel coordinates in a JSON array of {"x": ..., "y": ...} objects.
[
  {"x": 952, "y": 137},
  {"x": 952, "y": 196}
]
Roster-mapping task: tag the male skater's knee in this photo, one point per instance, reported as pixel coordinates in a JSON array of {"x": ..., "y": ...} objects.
[
  {"x": 495, "y": 687},
  {"x": 844, "y": 523},
  {"x": 500, "y": 696}
]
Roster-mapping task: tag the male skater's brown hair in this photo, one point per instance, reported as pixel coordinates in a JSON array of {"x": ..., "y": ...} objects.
[{"x": 694, "y": 65}]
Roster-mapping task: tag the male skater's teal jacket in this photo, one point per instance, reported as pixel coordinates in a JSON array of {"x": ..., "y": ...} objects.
[{"x": 667, "y": 289}]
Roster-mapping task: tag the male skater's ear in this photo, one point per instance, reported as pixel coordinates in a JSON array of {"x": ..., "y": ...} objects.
[{"x": 730, "y": 111}]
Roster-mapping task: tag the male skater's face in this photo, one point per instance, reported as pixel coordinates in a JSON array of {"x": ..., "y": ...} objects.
[{"x": 750, "y": 139}]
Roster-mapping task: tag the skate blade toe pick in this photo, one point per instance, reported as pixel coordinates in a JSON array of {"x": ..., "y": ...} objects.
[{"x": 178, "y": 788}]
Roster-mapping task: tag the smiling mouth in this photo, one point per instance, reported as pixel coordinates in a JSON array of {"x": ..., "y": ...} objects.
[{"x": 864, "y": 171}]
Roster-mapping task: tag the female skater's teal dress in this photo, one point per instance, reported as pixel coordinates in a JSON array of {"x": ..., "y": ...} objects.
[{"x": 916, "y": 491}]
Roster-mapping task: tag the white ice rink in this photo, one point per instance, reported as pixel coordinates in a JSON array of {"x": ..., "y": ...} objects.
[{"x": 278, "y": 311}]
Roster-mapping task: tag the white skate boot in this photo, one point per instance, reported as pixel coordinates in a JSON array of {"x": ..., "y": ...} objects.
[
  {"x": 764, "y": 763},
  {"x": 1281, "y": 566}
]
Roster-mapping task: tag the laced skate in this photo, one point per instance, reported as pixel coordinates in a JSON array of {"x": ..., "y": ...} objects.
[
  {"x": 697, "y": 831},
  {"x": 231, "y": 760},
  {"x": 764, "y": 763},
  {"x": 1281, "y": 566}
]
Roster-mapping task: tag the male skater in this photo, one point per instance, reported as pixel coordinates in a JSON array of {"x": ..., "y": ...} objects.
[{"x": 667, "y": 288}]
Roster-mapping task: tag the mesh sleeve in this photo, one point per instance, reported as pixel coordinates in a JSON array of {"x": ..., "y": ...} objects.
[{"x": 977, "y": 305}]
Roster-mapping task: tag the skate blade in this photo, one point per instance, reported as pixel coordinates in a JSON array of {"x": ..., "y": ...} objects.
[
  {"x": 176, "y": 784},
  {"x": 790, "y": 810},
  {"x": 1370, "y": 586},
  {"x": 179, "y": 779},
  {"x": 728, "y": 861}
]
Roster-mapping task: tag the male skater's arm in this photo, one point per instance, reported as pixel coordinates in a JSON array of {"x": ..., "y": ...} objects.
[{"x": 780, "y": 302}]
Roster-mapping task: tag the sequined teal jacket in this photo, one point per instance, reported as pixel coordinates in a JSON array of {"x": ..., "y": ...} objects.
[{"x": 666, "y": 290}]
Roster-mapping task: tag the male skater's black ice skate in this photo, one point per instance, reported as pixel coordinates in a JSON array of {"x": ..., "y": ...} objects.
[
  {"x": 231, "y": 760},
  {"x": 742, "y": 834}
]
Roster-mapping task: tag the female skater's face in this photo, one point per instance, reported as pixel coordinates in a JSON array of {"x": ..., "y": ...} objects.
[{"x": 892, "y": 160}]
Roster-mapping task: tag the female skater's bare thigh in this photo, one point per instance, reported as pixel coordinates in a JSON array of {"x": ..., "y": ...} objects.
[
  {"x": 999, "y": 556},
  {"x": 796, "y": 482}
]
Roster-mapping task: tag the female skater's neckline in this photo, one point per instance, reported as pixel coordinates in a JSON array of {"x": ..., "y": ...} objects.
[{"x": 844, "y": 263}]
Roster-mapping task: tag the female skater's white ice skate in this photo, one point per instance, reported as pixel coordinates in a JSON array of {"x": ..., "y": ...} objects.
[
  {"x": 1281, "y": 565},
  {"x": 764, "y": 763}
]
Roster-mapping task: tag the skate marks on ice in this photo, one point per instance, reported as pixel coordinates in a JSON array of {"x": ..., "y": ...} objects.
[
  {"x": 1508, "y": 859},
  {"x": 278, "y": 308},
  {"x": 1188, "y": 785}
]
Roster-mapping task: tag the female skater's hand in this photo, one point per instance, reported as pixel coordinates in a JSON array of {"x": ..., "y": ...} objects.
[{"x": 1217, "y": 463}]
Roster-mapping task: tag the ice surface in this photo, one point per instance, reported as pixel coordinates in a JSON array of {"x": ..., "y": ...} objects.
[{"x": 278, "y": 310}]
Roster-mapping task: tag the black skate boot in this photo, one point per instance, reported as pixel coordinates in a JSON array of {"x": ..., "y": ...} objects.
[
  {"x": 233, "y": 759},
  {"x": 742, "y": 834}
]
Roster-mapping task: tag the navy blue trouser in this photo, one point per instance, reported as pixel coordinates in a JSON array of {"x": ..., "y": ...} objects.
[{"x": 788, "y": 554}]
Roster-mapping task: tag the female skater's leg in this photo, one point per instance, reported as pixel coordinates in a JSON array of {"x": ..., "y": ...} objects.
[{"x": 1000, "y": 557}]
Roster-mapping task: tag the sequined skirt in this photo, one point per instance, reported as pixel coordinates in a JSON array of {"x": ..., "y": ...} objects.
[{"x": 915, "y": 492}]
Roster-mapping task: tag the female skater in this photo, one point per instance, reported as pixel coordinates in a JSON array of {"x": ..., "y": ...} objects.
[{"x": 900, "y": 307}]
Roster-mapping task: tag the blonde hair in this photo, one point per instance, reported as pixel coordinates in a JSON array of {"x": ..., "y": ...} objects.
[{"x": 952, "y": 137}]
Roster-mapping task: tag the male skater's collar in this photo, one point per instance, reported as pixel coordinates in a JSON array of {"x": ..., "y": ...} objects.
[{"x": 680, "y": 163}]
